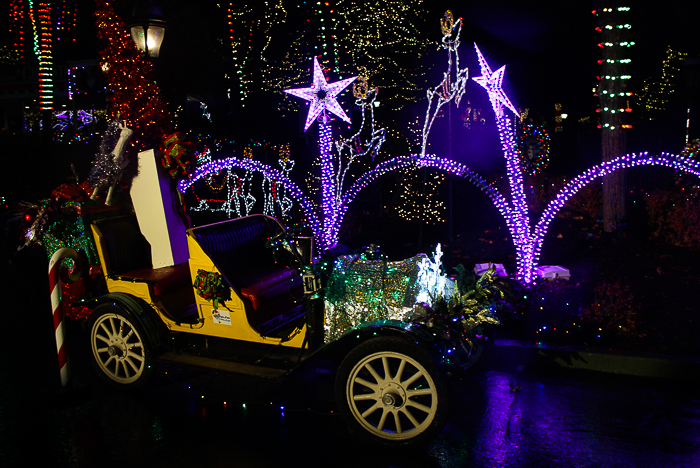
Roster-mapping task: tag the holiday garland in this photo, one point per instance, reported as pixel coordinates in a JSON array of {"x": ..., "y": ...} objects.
[
  {"x": 533, "y": 148},
  {"x": 473, "y": 303}
]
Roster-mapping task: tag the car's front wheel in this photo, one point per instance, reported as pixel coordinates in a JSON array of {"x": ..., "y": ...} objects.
[
  {"x": 391, "y": 390},
  {"x": 119, "y": 349}
]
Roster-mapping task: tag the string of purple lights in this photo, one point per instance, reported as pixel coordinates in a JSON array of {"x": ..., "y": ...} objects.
[{"x": 527, "y": 240}]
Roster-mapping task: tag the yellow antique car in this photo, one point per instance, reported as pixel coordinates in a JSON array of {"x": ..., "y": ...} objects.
[{"x": 265, "y": 309}]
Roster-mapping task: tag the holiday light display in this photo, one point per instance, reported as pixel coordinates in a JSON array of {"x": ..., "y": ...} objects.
[
  {"x": 420, "y": 196},
  {"x": 354, "y": 146},
  {"x": 68, "y": 126},
  {"x": 611, "y": 88},
  {"x": 518, "y": 220},
  {"x": 528, "y": 243},
  {"x": 655, "y": 94},
  {"x": 137, "y": 98},
  {"x": 239, "y": 47},
  {"x": 45, "y": 33},
  {"x": 17, "y": 26},
  {"x": 472, "y": 117},
  {"x": 673, "y": 161},
  {"x": 527, "y": 240},
  {"x": 275, "y": 195},
  {"x": 250, "y": 28},
  {"x": 49, "y": 21},
  {"x": 432, "y": 279},
  {"x": 233, "y": 195},
  {"x": 533, "y": 148},
  {"x": 450, "y": 88},
  {"x": 327, "y": 40},
  {"x": 369, "y": 35},
  {"x": 322, "y": 96},
  {"x": 492, "y": 82},
  {"x": 215, "y": 167}
]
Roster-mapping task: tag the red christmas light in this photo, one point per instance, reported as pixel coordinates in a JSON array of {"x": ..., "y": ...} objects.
[{"x": 137, "y": 98}]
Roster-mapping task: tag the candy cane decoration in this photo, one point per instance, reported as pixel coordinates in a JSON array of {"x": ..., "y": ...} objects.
[{"x": 55, "y": 287}]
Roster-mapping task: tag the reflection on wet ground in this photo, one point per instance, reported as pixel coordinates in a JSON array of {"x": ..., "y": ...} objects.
[{"x": 500, "y": 418}]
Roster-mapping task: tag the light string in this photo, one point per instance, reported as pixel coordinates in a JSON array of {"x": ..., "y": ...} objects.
[
  {"x": 215, "y": 167},
  {"x": 45, "y": 56},
  {"x": 448, "y": 89},
  {"x": 527, "y": 242}
]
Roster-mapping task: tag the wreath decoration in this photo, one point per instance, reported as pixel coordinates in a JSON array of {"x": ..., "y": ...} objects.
[
  {"x": 211, "y": 287},
  {"x": 533, "y": 149}
]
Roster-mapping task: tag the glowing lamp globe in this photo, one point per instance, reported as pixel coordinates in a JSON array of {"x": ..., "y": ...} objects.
[{"x": 148, "y": 28}]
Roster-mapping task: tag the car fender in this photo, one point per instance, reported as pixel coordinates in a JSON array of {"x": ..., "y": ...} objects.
[
  {"x": 337, "y": 349},
  {"x": 139, "y": 310}
]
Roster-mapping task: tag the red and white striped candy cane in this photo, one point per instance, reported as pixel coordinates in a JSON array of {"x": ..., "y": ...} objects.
[{"x": 55, "y": 287}]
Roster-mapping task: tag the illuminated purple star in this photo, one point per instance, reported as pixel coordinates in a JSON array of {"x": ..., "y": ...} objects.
[
  {"x": 491, "y": 81},
  {"x": 322, "y": 95}
]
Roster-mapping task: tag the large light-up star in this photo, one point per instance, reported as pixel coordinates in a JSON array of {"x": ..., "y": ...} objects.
[
  {"x": 322, "y": 95},
  {"x": 491, "y": 81}
]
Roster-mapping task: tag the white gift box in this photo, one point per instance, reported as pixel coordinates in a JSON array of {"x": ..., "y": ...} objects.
[
  {"x": 480, "y": 269},
  {"x": 552, "y": 272}
]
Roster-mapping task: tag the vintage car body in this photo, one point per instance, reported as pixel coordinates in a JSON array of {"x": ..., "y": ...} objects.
[{"x": 390, "y": 386}]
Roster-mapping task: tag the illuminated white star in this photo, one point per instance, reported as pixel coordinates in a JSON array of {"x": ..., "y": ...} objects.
[
  {"x": 322, "y": 95},
  {"x": 492, "y": 81}
]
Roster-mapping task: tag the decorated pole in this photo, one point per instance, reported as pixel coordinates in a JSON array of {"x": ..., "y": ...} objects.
[
  {"x": 325, "y": 148},
  {"x": 322, "y": 97},
  {"x": 55, "y": 288}
]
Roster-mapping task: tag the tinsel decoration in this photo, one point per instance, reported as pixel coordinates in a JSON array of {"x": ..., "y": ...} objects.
[
  {"x": 110, "y": 163},
  {"x": 137, "y": 99},
  {"x": 178, "y": 155},
  {"x": 533, "y": 148},
  {"x": 211, "y": 287},
  {"x": 362, "y": 289},
  {"x": 59, "y": 223}
]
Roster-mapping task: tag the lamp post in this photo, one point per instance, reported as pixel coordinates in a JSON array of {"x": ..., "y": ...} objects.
[{"x": 148, "y": 28}]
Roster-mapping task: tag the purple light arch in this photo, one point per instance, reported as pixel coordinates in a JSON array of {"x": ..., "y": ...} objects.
[
  {"x": 526, "y": 239},
  {"x": 217, "y": 166},
  {"x": 624, "y": 162},
  {"x": 528, "y": 246}
]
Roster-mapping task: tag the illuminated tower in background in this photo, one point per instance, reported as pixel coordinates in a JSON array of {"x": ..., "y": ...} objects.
[{"x": 614, "y": 105}]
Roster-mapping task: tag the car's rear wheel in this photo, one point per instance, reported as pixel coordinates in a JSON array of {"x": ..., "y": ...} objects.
[
  {"x": 120, "y": 352},
  {"x": 390, "y": 390}
]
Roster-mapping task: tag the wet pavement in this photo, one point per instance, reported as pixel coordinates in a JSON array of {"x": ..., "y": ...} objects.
[{"x": 503, "y": 415}]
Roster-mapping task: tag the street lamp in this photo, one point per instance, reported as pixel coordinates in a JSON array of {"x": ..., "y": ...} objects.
[{"x": 148, "y": 28}]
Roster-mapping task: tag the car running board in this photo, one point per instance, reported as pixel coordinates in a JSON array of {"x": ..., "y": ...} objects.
[{"x": 219, "y": 365}]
